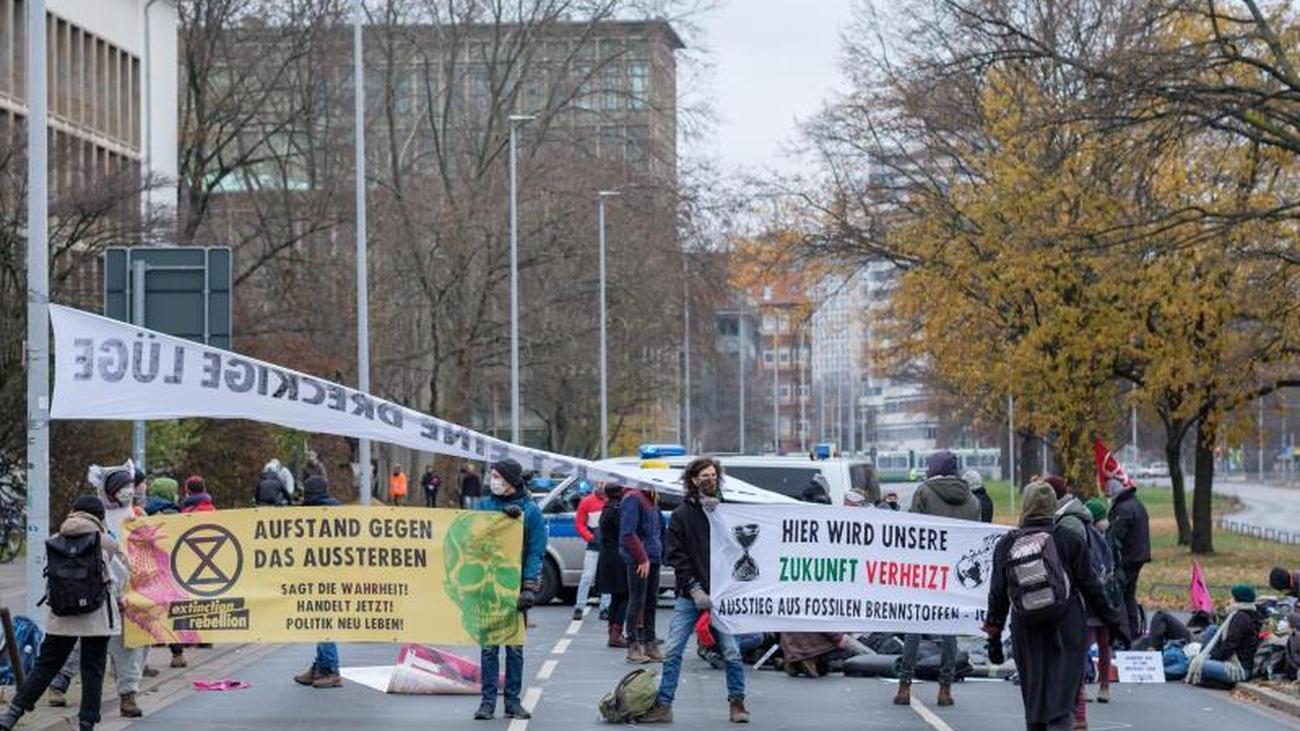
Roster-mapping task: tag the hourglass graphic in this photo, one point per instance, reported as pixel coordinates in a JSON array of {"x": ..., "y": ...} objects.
[{"x": 746, "y": 569}]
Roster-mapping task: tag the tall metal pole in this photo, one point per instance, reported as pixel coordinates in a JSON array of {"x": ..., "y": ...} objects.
[
  {"x": 38, "y": 311},
  {"x": 853, "y": 404},
  {"x": 1011, "y": 449},
  {"x": 803, "y": 404},
  {"x": 686, "y": 350},
  {"x": 1133, "y": 426},
  {"x": 1260, "y": 455},
  {"x": 776, "y": 386},
  {"x": 514, "y": 277},
  {"x": 363, "y": 289},
  {"x": 604, "y": 383},
  {"x": 138, "y": 318},
  {"x": 740, "y": 376}
]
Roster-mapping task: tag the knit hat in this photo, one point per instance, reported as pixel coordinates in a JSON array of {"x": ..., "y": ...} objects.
[
  {"x": 1040, "y": 502},
  {"x": 164, "y": 488},
  {"x": 1097, "y": 507},
  {"x": 511, "y": 472},
  {"x": 195, "y": 485},
  {"x": 1243, "y": 594},
  {"x": 1279, "y": 578},
  {"x": 90, "y": 505},
  {"x": 1059, "y": 485},
  {"x": 973, "y": 479},
  {"x": 942, "y": 462},
  {"x": 116, "y": 480}
]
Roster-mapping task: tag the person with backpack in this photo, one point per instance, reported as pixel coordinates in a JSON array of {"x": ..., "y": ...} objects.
[
  {"x": 510, "y": 497},
  {"x": 976, "y": 482},
  {"x": 587, "y": 522},
  {"x": 611, "y": 575},
  {"x": 431, "y": 483},
  {"x": 1131, "y": 527},
  {"x": 640, "y": 532},
  {"x": 81, "y": 601},
  {"x": 946, "y": 495},
  {"x": 1105, "y": 564},
  {"x": 197, "y": 499},
  {"x": 1042, "y": 574},
  {"x": 272, "y": 491},
  {"x": 688, "y": 552}
]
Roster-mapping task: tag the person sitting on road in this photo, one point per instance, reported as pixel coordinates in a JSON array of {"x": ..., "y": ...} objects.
[
  {"x": 1287, "y": 582},
  {"x": 1227, "y": 654}
]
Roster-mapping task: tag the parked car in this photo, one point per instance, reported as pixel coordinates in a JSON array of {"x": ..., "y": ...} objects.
[
  {"x": 562, "y": 565},
  {"x": 1154, "y": 470}
]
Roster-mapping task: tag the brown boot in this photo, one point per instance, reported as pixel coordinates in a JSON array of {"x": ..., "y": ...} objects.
[
  {"x": 657, "y": 714},
  {"x": 652, "y": 652},
  {"x": 904, "y": 695},
  {"x": 178, "y": 661},
  {"x": 636, "y": 654},
  {"x": 945, "y": 695},
  {"x": 328, "y": 680},
  {"x": 738, "y": 712},
  {"x": 809, "y": 668},
  {"x": 616, "y": 638},
  {"x": 308, "y": 677},
  {"x": 127, "y": 706}
]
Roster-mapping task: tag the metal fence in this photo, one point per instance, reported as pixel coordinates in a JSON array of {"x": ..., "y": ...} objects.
[{"x": 1255, "y": 531}]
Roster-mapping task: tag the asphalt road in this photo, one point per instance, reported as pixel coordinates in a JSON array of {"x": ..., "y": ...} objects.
[
  {"x": 565, "y": 679},
  {"x": 1271, "y": 509}
]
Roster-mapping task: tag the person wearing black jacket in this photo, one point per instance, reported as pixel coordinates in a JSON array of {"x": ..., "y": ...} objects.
[
  {"x": 687, "y": 552},
  {"x": 611, "y": 575},
  {"x": 324, "y": 671},
  {"x": 976, "y": 482},
  {"x": 1131, "y": 528},
  {"x": 471, "y": 489},
  {"x": 1050, "y": 655}
]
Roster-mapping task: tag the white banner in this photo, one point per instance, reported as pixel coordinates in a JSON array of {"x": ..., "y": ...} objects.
[
  {"x": 105, "y": 369},
  {"x": 820, "y": 568}
]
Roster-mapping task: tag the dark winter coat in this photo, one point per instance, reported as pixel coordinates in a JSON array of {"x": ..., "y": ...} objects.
[
  {"x": 1240, "y": 637},
  {"x": 315, "y": 493},
  {"x": 470, "y": 485},
  {"x": 986, "y": 504},
  {"x": 687, "y": 546},
  {"x": 611, "y": 574},
  {"x": 1131, "y": 526},
  {"x": 640, "y": 529},
  {"x": 946, "y": 496},
  {"x": 1049, "y": 656}
]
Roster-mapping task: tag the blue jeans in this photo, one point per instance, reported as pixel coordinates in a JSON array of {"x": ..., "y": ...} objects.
[
  {"x": 327, "y": 657},
  {"x": 490, "y": 664},
  {"x": 680, "y": 629}
]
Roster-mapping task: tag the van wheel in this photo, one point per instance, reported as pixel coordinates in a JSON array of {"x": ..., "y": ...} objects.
[{"x": 550, "y": 582}]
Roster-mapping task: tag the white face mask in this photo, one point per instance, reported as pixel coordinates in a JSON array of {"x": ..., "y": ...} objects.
[
  {"x": 124, "y": 496},
  {"x": 498, "y": 486}
]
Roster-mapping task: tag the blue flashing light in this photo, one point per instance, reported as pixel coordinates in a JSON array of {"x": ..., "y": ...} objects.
[{"x": 659, "y": 451}]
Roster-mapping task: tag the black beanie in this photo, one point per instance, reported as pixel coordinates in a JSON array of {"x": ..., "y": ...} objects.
[
  {"x": 89, "y": 504},
  {"x": 511, "y": 472},
  {"x": 117, "y": 480},
  {"x": 1279, "y": 578}
]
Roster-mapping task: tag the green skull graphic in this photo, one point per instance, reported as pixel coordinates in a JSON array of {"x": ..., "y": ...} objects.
[{"x": 481, "y": 579}]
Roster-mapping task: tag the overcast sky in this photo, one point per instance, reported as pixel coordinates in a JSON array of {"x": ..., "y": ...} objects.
[{"x": 775, "y": 62}]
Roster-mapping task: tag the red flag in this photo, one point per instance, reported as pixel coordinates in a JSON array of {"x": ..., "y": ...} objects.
[
  {"x": 1108, "y": 468},
  {"x": 1199, "y": 593}
]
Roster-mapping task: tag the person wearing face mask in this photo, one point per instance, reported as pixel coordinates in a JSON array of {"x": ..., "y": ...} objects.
[
  {"x": 509, "y": 496},
  {"x": 1130, "y": 526},
  {"x": 890, "y": 502},
  {"x": 688, "y": 554}
]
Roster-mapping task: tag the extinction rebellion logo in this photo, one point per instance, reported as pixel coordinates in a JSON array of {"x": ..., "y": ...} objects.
[
  {"x": 746, "y": 569},
  {"x": 207, "y": 561}
]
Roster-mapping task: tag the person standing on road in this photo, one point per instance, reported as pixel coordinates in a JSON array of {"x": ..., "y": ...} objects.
[
  {"x": 397, "y": 486},
  {"x": 611, "y": 576},
  {"x": 431, "y": 482},
  {"x": 587, "y": 523},
  {"x": 128, "y": 664},
  {"x": 1049, "y": 652},
  {"x": 946, "y": 495},
  {"x": 511, "y": 498},
  {"x": 89, "y": 632},
  {"x": 688, "y": 553},
  {"x": 324, "y": 670},
  {"x": 1131, "y": 528},
  {"x": 1105, "y": 562},
  {"x": 641, "y": 547},
  {"x": 976, "y": 482},
  {"x": 470, "y": 487}
]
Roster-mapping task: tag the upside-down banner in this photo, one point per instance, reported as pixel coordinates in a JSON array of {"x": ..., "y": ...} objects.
[
  {"x": 818, "y": 568},
  {"x": 324, "y": 573}
]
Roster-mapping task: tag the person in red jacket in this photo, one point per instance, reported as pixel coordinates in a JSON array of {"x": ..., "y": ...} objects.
[
  {"x": 197, "y": 499},
  {"x": 587, "y": 521}
]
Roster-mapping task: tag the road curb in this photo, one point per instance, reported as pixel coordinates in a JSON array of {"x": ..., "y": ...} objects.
[{"x": 1278, "y": 701}]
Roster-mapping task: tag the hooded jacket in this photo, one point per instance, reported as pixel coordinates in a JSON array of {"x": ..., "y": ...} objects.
[
  {"x": 96, "y": 623},
  {"x": 640, "y": 529},
  {"x": 1131, "y": 526},
  {"x": 534, "y": 528},
  {"x": 1073, "y": 515},
  {"x": 946, "y": 496}
]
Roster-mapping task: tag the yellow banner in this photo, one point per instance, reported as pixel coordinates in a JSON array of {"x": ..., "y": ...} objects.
[{"x": 347, "y": 574}]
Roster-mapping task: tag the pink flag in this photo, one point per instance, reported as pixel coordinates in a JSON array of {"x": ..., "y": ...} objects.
[{"x": 1199, "y": 594}]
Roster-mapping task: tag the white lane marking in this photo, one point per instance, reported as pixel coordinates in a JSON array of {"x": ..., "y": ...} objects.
[
  {"x": 574, "y": 627},
  {"x": 562, "y": 646},
  {"x": 531, "y": 697},
  {"x": 548, "y": 668},
  {"x": 929, "y": 717},
  {"x": 519, "y": 724}
]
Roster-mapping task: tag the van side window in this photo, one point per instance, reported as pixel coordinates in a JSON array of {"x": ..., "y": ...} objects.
[{"x": 789, "y": 481}]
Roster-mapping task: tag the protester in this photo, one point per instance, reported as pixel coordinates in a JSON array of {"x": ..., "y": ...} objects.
[
  {"x": 197, "y": 499},
  {"x": 89, "y": 632},
  {"x": 976, "y": 482},
  {"x": 890, "y": 502},
  {"x": 611, "y": 575},
  {"x": 1105, "y": 564},
  {"x": 274, "y": 486},
  {"x": 946, "y": 495},
  {"x": 587, "y": 522},
  {"x": 162, "y": 497},
  {"x": 509, "y": 497},
  {"x": 816, "y": 491},
  {"x": 641, "y": 548},
  {"x": 324, "y": 670},
  {"x": 1287, "y": 582},
  {"x": 1227, "y": 654},
  {"x": 431, "y": 483},
  {"x": 119, "y": 489},
  {"x": 1071, "y": 513},
  {"x": 688, "y": 553},
  {"x": 470, "y": 486},
  {"x": 1131, "y": 528},
  {"x": 397, "y": 486}
]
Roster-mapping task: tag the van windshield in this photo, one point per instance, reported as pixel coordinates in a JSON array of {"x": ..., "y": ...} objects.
[{"x": 789, "y": 481}]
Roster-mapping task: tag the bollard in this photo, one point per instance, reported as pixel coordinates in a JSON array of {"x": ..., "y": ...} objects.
[{"x": 11, "y": 645}]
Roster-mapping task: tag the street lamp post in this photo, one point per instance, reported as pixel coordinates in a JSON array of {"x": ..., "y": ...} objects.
[
  {"x": 515, "y": 119},
  {"x": 363, "y": 289},
  {"x": 604, "y": 382},
  {"x": 38, "y": 308}
]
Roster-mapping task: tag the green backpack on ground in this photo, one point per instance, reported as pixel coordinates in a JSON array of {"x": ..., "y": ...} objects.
[{"x": 633, "y": 696}]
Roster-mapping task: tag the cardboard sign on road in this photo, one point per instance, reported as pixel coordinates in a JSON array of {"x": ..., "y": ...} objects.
[{"x": 1140, "y": 667}]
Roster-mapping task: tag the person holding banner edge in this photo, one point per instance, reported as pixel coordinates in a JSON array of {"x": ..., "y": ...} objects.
[
  {"x": 688, "y": 552},
  {"x": 506, "y": 483}
]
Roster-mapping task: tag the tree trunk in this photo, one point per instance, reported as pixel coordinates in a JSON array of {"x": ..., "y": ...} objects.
[
  {"x": 1202, "y": 507},
  {"x": 1174, "y": 433}
]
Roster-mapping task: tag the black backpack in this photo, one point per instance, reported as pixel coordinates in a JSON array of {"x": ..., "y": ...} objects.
[
  {"x": 75, "y": 580},
  {"x": 1037, "y": 582},
  {"x": 270, "y": 489}
]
